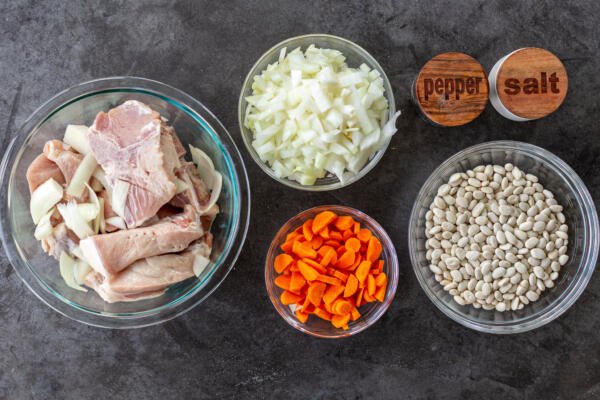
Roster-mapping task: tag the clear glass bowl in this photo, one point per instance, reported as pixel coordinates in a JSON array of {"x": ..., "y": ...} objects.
[
  {"x": 355, "y": 56},
  {"x": 582, "y": 221},
  {"x": 195, "y": 125},
  {"x": 370, "y": 312}
]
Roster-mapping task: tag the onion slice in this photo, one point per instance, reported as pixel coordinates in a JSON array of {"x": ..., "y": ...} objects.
[
  {"x": 76, "y": 137},
  {"x": 44, "y": 198},
  {"x": 82, "y": 175},
  {"x": 74, "y": 220},
  {"x": 67, "y": 271}
]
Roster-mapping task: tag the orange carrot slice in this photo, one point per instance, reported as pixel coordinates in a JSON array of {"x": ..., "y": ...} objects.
[
  {"x": 343, "y": 222},
  {"x": 346, "y": 260},
  {"x": 335, "y": 235},
  {"x": 315, "y": 265},
  {"x": 330, "y": 280},
  {"x": 340, "y": 275},
  {"x": 373, "y": 249},
  {"x": 283, "y": 281},
  {"x": 302, "y": 316},
  {"x": 297, "y": 282},
  {"x": 339, "y": 321},
  {"x": 359, "y": 297},
  {"x": 356, "y": 227},
  {"x": 355, "y": 314},
  {"x": 322, "y": 220},
  {"x": 307, "y": 230},
  {"x": 288, "y": 298},
  {"x": 363, "y": 270},
  {"x": 330, "y": 257},
  {"x": 381, "y": 279},
  {"x": 380, "y": 294},
  {"x": 341, "y": 307},
  {"x": 353, "y": 244},
  {"x": 364, "y": 235},
  {"x": 324, "y": 233},
  {"x": 347, "y": 234},
  {"x": 367, "y": 297},
  {"x": 287, "y": 246},
  {"x": 332, "y": 293},
  {"x": 282, "y": 261},
  {"x": 309, "y": 273},
  {"x": 303, "y": 251},
  {"x": 371, "y": 287},
  {"x": 316, "y": 242},
  {"x": 315, "y": 292},
  {"x": 351, "y": 286},
  {"x": 319, "y": 312}
]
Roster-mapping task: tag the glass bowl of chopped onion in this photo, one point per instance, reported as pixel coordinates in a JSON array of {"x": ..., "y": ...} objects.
[
  {"x": 549, "y": 300},
  {"x": 370, "y": 312},
  {"x": 316, "y": 112},
  {"x": 195, "y": 125}
]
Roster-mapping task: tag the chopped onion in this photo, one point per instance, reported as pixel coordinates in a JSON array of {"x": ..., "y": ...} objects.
[
  {"x": 200, "y": 263},
  {"x": 82, "y": 175},
  {"x": 119, "y": 196},
  {"x": 205, "y": 166},
  {"x": 215, "y": 191},
  {"x": 74, "y": 220},
  {"x": 182, "y": 186},
  {"x": 44, "y": 198},
  {"x": 80, "y": 271},
  {"x": 98, "y": 208},
  {"x": 76, "y": 137},
  {"x": 117, "y": 222},
  {"x": 44, "y": 227},
  {"x": 312, "y": 115},
  {"x": 67, "y": 271},
  {"x": 100, "y": 175}
]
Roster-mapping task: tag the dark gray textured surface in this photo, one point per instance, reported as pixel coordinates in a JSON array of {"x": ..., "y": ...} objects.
[{"x": 235, "y": 345}]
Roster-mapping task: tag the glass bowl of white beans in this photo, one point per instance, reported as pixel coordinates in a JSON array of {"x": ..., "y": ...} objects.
[{"x": 563, "y": 268}]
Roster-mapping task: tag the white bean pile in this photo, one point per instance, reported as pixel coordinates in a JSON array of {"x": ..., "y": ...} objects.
[{"x": 496, "y": 239}]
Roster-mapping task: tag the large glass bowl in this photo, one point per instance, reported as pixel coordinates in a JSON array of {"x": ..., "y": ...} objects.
[
  {"x": 370, "y": 312},
  {"x": 355, "y": 56},
  {"x": 195, "y": 125},
  {"x": 580, "y": 214}
]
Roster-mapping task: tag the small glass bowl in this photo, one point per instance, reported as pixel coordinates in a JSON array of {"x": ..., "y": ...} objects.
[
  {"x": 355, "y": 56},
  {"x": 370, "y": 312},
  {"x": 582, "y": 220},
  {"x": 195, "y": 125}
]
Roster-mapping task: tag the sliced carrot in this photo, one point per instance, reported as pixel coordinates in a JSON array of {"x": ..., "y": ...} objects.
[
  {"x": 373, "y": 249},
  {"x": 340, "y": 275},
  {"x": 343, "y": 222},
  {"x": 341, "y": 307},
  {"x": 356, "y": 227},
  {"x": 340, "y": 250},
  {"x": 293, "y": 267},
  {"x": 333, "y": 243},
  {"x": 355, "y": 314},
  {"x": 324, "y": 249},
  {"x": 287, "y": 246},
  {"x": 339, "y": 321},
  {"x": 302, "y": 316},
  {"x": 315, "y": 292},
  {"x": 322, "y": 220},
  {"x": 381, "y": 279},
  {"x": 351, "y": 286},
  {"x": 315, "y": 265},
  {"x": 297, "y": 282},
  {"x": 347, "y": 234},
  {"x": 380, "y": 294},
  {"x": 335, "y": 235},
  {"x": 309, "y": 273},
  {"x": 357, "y": 261},
  {"x": 367, "y": 297},
  {"x": 353, "y": 244},
  {"x": 364, "y": 235},
  {"x": 332, "y": 293},
  {"x": 316, "y": 242},
  {"x": 288, "y": 298},
  {"x": 283, "y": 281},
  {"x": 371, "y": 286},
  {"x": 330, "y": 280},
  {"x": 359, "y": 297},
  {"x": 303, "y": 251},
  {"x": 346, "y": 260},
  {"x": 327, "y": 307},
  {"x": 291, "y": 235},
  {"x": 363, "y": 270},
  {"x": 324, "y": 233},
  {"x": 330, "y": 257},
  {"x": 282, "y": 261},
  {"x": 379, "y": 268},
  {"x": 307, "y": 230},
  {"x": 319, "y": 312}
]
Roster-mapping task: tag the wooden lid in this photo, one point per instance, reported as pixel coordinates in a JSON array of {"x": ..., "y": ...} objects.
[
  {"x": 532, "y": 83},
  {"x": 452, "y": 89}
]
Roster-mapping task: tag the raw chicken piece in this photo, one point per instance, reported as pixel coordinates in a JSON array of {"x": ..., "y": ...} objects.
[
  {"x": 112, "y": 252},
  {"x": 132, "y": 144},
  {"x": 95, "y": 281},
  {"x": 42, "y": 169},
  {"x": 149, "y": 277},
  {"x": 179, "y": 149},
  {"x": 198, "y": 195},
  {"x": 62, "y": 155}
]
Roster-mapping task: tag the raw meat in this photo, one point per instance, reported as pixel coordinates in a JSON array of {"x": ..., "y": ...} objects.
[
  {"x": 62, "y": 155},
  {"x": 42, "y": 169}
]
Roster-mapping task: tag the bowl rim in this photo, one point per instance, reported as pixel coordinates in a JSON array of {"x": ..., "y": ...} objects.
[
  {"x": 191, "y": 298},
  {"x": 393, "y": 265},
  {"x": 589, "y": 251},
  {"x": 246, "y": 133}
]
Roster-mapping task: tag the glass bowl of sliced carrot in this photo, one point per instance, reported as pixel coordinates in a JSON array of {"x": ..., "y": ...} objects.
[{"x": 331, "y": 271}]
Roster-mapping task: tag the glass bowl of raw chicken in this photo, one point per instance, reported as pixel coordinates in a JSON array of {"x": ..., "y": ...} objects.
[{"x": 124, "y": 202}]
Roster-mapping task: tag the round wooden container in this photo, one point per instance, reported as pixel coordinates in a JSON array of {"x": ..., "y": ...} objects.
[
  {"x": 451, "y": 89},
  {"x": 528, "y": 84}
]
